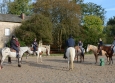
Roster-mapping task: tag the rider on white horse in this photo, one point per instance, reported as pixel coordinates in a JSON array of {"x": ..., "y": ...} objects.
[
  {"x": 70, "y": 43},
  {"x": 14, "y": 45},
  {"x": 34, "y": 45}
]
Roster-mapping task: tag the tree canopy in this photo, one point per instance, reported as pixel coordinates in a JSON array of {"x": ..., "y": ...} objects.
[{"x": 38, "y": 27}]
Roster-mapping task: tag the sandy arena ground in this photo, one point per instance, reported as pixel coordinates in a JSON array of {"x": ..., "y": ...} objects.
[{"x": 54, "y": 69}]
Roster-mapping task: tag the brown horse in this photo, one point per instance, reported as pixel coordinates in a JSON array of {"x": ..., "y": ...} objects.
[
  {"x": 94, "y": 49},
  {"x": 109, "y": 52},
  {"x": 78, "y": 52}
]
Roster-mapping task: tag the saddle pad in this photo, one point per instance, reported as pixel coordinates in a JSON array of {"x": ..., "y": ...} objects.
[
  {"x": 12, "y": 50},
  {"x": 33, "y": 49}
]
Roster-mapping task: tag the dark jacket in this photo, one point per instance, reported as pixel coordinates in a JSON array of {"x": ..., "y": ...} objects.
[
  {"x": 100, "y": 43},
  {"x": 13, "y": 43},
  {"x": 70, "y": 42},
  {"x": 35, "y": 44}
]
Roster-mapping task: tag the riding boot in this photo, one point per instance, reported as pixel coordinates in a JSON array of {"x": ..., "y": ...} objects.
[
  {"x": 64, "y": 56},
  {"x": 17, "y": 55}
]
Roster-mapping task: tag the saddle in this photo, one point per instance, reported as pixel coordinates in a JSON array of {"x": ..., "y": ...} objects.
[
  {"x": 31, "y": 48},
  {"x": 12, "y": 50}
]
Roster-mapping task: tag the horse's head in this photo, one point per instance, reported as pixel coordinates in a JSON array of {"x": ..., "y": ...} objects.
[{"x": 88, "y": 48}]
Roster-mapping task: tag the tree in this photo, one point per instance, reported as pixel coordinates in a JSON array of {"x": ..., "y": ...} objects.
[
  {"x": 20, "y": 6},
  {"x": 93, "y": 29},
  {"x": 93, "y": 9},
  {"x": 110, "y": 29},
  {"x": 64, "y": 15},
  {"x": 38, "y": 27}
]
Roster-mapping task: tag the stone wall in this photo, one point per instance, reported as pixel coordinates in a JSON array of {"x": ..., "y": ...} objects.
[{"x": 6, "y": 25}]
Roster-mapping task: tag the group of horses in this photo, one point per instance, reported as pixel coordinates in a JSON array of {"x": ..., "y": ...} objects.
[
  {"x": 6, "y": 52},
  {"x": 73, "y": 52}
]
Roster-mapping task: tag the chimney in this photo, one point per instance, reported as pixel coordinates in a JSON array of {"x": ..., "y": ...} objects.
[{"x": 23, "y": 16}]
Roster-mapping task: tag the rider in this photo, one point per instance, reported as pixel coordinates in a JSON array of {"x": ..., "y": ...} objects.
[
  {"x": 17, "y": 43},
  {"x": 69, "y": 43},
  {"x": 35, "y": 45},
  {"x": 80, "y": 44},
  {"x": 100, "y": 43},
  {"x": 113, "y": 44},
  {"x": 14, "y": 46}
]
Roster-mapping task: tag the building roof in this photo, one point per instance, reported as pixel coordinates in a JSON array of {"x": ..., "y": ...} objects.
[{"x": 12, "y": 18}]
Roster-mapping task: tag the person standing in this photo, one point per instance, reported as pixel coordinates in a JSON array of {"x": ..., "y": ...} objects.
[{"x": 69, "y": 43}]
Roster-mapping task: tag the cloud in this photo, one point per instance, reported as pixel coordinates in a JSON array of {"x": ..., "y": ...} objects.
[{"x": 110, "y": 9}]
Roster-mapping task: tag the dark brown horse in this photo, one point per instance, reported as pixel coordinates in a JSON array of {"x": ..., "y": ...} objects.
[{"x": 109, "y": 52}]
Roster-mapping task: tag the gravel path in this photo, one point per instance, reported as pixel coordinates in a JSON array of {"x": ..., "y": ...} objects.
[{"x": 54, "y": 69}]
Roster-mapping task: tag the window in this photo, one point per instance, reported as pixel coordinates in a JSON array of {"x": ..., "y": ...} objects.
[{"x": 7, "y": 32}]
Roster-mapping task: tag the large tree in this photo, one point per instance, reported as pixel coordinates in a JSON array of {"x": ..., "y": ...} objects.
[
  {"x": 93, "y": 9},
  {"x": 64, "y": 15},
  {"x": 93, "y": 29}
]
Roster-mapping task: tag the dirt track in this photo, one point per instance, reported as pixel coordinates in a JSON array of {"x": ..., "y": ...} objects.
[{"x": 54, "y": 70}]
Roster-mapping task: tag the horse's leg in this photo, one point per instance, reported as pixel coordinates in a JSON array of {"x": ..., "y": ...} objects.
[
  {"x": 19, "y": 64},
  {"x": 80, "y": 58},
  {"x": 40, "y": 57},
  {"x": 109, "y": 60},
  {"x": 68, "y": 64},
  {"x": 9, "y": 59},
  {"x": 96, "y": 58},
  {"x": 2, "y": 60},
  {"x": 112, "y": 60},
  {"x": 83, "y": 57},
  {"x": 77, "y": 57}
]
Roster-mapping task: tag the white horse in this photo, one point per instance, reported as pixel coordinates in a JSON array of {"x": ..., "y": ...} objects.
[
  {"x": 7, "y": 52},
  {"x": 39, "y": 52},
  {"x": 70, "y": 53}
]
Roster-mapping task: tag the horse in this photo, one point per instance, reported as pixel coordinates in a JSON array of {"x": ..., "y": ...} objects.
[
  {"x": 78, "y": 52},
  {"x": 6, "y": 51},
  {"x": 39, "y": 52},
  {"x": 109, "y": 52},
  {"x": 70, "y": 54},
  {"x": 94, "y": 49}
]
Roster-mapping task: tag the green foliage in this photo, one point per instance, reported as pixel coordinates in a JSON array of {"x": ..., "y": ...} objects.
[
  {"x": 93, "y": 29},
  {"x": 38, "y": 27},
  {"x": 93, "y": 9},
  {"x": 63, "y": 14},
  {"x": 109, "y": 30},
  {"x": 93, "y": 22},
  {"x": 20, "y": 6}
]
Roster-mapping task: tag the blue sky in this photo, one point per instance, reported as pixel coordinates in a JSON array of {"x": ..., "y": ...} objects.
[{"x": 108, "y": 5}]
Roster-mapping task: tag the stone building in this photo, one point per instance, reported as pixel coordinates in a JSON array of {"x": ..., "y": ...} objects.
[{"x": 8, "y": 24}]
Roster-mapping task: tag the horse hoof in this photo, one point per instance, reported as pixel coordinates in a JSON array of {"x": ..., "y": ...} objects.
[{"x": 19, "y": 65}]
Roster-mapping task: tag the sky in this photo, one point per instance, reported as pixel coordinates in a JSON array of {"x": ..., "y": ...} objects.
[{"x": 108, "y": 5}]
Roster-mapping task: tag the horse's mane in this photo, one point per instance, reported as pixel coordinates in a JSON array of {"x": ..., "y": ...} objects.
[
  {"x": 93, "y": 45},
  {"x": 4, "y": 48}
]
